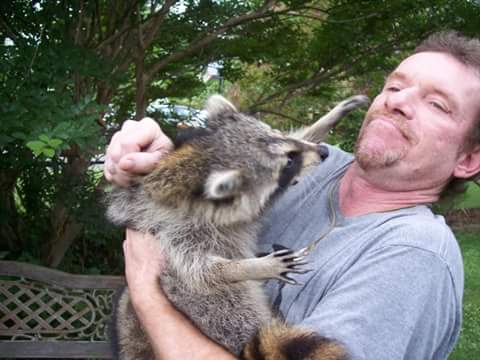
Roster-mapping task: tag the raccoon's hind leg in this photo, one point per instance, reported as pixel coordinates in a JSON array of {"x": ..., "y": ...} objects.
[
  {"x": 272, "y": 266},
  {"x": 132, "y": 342},
  {"x": 281, "y": 341},
  {"x": 319, "y": 130}
]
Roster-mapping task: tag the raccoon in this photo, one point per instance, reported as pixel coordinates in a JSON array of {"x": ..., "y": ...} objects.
[{"x": 203, "y": 203}]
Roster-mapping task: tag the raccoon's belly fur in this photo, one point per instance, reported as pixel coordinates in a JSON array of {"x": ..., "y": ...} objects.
[{"x": 231, "y": 315}]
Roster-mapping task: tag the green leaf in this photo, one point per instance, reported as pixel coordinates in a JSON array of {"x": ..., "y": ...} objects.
[
  {"x": 55, "y": 143},
  {"x": 19, "y": 135},
  {"x": 44, "y": 138},
  {"x": 36, "y": 146},
  {"x": 48, "y": 152}
]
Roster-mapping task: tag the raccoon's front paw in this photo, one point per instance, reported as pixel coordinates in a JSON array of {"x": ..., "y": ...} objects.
[
  {"x": 284, "y": 261},
  {"x": 352, "y": 103}
]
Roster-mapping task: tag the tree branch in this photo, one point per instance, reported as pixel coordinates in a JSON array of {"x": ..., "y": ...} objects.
[
  {"x": 126, "y": 26},
  {"x": 304, "y": 85},
  {"x": 156, "y": 21},
  {"x": 277, "y": 113},
  {"x": 326, "y": 19},
  {"x": 201, "y": 42},
  {"x": 76, "y": 38},
  {"x": 11, "y": 34}
]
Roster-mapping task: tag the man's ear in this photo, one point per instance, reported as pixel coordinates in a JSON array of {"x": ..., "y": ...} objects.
[
  {"x": 468, "y": 164},
  {"x": 223, "y": 184}
]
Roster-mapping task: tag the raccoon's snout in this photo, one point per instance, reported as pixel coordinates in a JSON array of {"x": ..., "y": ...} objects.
[{"x": 322, "y": 151}]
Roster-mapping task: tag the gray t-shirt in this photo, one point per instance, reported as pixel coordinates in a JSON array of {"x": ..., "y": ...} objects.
[{"x": 387, "y": 285}]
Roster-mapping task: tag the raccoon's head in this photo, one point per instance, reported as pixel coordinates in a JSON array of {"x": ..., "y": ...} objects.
[{"x": 228, "y": 171}]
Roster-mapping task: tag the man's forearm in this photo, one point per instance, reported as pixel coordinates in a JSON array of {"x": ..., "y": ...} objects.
[{"x": 172, "y": 335}]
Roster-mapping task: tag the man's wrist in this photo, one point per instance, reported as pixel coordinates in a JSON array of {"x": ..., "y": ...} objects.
[{"x": 145, "y": 300}]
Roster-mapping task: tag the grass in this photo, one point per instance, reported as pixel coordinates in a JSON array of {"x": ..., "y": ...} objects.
[
  {"x": 468, "y": 346},
  {"x": 471, "y": 198}
]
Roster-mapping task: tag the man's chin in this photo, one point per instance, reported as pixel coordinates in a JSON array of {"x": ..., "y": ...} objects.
[{"x": 375, "y": 161}]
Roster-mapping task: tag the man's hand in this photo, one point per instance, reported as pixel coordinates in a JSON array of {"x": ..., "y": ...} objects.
[
  {"x": 144, "y": 264},
  {"x": 135, "y": 150}
]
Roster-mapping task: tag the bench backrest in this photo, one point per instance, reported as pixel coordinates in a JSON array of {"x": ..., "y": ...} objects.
[{"x": 46, "y": 313}]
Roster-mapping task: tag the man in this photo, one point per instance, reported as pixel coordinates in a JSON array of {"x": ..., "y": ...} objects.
[{"x": 388, "y": 274}]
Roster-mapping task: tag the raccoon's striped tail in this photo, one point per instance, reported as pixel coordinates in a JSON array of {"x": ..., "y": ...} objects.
[{"x": 279, "y": 341}]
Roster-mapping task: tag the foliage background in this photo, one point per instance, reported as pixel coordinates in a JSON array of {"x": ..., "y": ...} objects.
[{"x": 73, "y": 71}]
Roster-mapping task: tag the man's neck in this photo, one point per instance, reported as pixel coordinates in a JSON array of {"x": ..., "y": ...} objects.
[{"x": 360, "y": 194}]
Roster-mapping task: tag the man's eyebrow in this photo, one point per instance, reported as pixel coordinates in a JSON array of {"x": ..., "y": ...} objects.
[
  {"x": 448, "y": 95},
  {"x": 396, "y": 75}
]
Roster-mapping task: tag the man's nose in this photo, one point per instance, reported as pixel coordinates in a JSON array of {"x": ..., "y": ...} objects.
[{"x": 401, "y": 102}]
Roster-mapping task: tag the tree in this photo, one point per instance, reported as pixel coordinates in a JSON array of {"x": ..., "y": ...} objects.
[{"x": 73, "y": 70}]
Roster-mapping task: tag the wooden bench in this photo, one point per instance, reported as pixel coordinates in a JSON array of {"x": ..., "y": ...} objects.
[{"x": 46, "y": 313}]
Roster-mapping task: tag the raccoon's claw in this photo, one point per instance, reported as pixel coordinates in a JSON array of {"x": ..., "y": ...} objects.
[
  {"x": 283, "y": 252},
  {"x": 288, "y": 280},
  {"x": 284, "y": 261}
]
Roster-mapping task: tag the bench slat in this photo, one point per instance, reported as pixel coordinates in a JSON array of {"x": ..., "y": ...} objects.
[
  {"x": 55, "y": 277},
  {"x": 43, "y": 310},
  {"x": 55, "y": 349}
]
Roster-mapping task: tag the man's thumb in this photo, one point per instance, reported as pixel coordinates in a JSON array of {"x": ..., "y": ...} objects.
[{"x": 140, "y": 163}]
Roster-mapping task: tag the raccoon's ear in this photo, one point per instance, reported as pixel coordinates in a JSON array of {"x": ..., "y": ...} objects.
[
  {"x": 223, "y": 184},
  {"x": 217, "y": 105}
]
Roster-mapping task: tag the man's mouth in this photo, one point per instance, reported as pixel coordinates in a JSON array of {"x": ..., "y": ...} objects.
[{"x": 396, "y": 123}]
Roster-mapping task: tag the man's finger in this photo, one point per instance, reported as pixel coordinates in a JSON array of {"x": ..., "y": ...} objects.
[
  {"x": 114, "y": 150},
  {"x": 140, "y": 163},
  {"x": 129, "y": 124},
  {"x": 109, "y": 166},
  {"x": 146, "y": 131}
]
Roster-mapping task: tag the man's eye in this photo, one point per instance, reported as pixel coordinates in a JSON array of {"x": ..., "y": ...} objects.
[
  {"x": 439, "y": 106},
  {"x": 393, "y": 88}
]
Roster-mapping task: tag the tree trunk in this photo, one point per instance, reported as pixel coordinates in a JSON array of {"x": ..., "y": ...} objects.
[
  {"x": 10, "y": 238},
  {"x": 140, "y": 81},
  {"x": 65, "y": 231},
  {"x": 65, "y": 228}
]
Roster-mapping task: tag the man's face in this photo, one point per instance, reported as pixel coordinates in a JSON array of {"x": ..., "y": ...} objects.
[{"x": 418, "y": 124}]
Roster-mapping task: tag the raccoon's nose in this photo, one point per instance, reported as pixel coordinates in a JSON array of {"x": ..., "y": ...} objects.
[{"x": 322, "y": 151}]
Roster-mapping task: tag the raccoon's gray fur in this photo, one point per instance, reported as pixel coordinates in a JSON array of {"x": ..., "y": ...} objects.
[{"x": 202, "y": 203}]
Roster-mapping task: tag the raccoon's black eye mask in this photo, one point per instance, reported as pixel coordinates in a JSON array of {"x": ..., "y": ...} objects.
[
  {"x": 185, "y": 135},
  {"x": 292, "y": 168}
]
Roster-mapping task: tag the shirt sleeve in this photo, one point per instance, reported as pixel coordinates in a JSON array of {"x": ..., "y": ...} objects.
[{"x": 396, "y": 302}]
